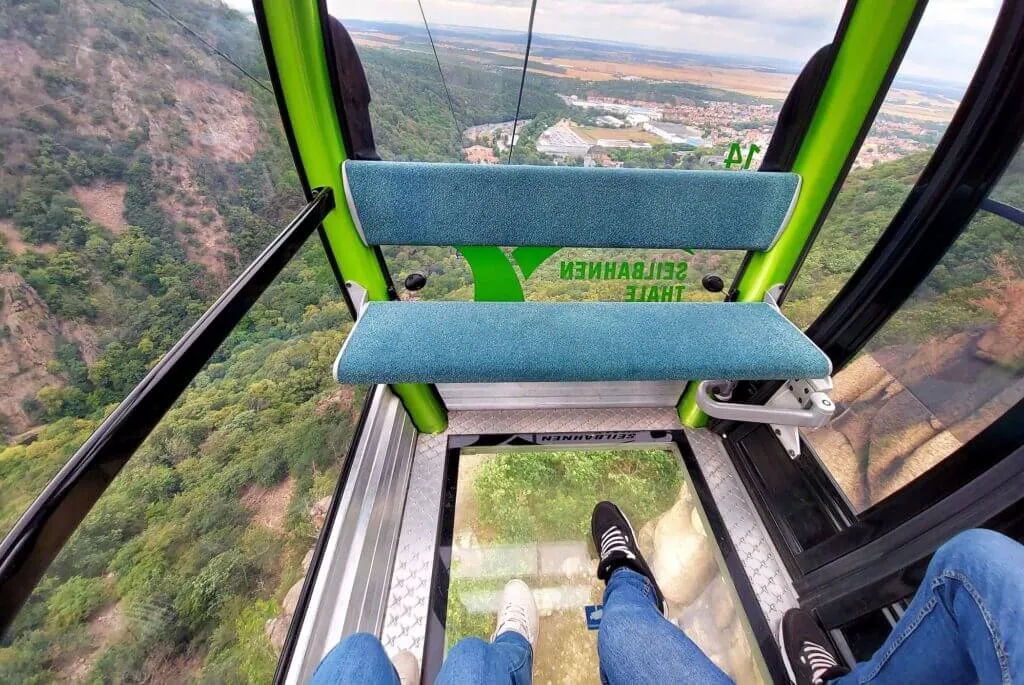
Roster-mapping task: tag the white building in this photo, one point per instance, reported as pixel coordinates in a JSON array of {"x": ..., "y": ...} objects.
[
  {"x": 618, "y": 142},
  {"x": 620, "y": 108},
  {"x": 610, "y": 121},
  {"x": 637, "y": 119},
  {"x": 562, "y": 141},
  {"x": 675, "y": 134}
]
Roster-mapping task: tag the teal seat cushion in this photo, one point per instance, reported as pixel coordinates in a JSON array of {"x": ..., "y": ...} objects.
[
  {"x": 412, "y": 203},
  {"x": 490, "y": 342}
]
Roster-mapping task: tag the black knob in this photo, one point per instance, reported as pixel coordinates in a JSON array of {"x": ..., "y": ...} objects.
[
  {"x": 713, "y": 283},
  {"x": 415, "y": 281}
]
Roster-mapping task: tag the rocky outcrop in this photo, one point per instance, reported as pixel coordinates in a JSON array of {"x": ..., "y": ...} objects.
[
  {"x": 276, "y": 628},
  {"x": 318, "y": 513},
  {"x": 29, "y": 335},
  {"x": 683, "y": 560}
]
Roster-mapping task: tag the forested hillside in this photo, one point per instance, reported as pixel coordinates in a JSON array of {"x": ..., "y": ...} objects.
[{"x": 139, "y": 174}]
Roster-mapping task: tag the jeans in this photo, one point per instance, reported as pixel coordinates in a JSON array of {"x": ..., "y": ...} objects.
[
  {"x": 361, "y": 658},
  {"x": 637, "y": 645},
  {"x": 964, "y": 625}
]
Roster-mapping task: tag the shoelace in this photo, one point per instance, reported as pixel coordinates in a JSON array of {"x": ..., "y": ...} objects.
[
  {"x": 513, "y": 617},
  {"x": 818, "y": 659},
  {"x": 613, "y": 540}
]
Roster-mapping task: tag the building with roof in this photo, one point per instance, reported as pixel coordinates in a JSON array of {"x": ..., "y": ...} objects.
[{"x": 675, "y": 134}]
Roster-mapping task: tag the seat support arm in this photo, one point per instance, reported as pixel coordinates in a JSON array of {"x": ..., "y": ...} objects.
[{"x": 798, "y": 403}]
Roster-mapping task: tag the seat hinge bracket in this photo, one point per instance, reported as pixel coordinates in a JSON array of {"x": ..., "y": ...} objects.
[{"x": 799, "y": 403}]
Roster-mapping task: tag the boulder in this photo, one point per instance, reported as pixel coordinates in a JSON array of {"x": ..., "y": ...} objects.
[
  {"x": 683, "y": 560},
  {"x": 318, "y": 513}
]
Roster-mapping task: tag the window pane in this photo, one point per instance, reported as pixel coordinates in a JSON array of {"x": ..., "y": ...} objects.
[
  {"x": 1010, "y": 188},
  {"x": 948, "y": 364},
  {"x": 654, "y": 86},
  {"x": 189, "y": 566},
  {"x": 919, "y": 105},
  {"x": 139, "y": 175},
  {"x": 526, "y": 515}
]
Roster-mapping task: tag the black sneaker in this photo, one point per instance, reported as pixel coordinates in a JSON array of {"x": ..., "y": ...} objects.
[
  {"x": 616, "y": 545},
  {"x": 806, "y": 650}
]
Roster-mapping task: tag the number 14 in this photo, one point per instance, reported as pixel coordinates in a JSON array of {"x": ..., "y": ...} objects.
[{"x": 735, "y": 155}]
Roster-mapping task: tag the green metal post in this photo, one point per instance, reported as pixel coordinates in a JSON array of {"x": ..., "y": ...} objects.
[
  {"x": 300, "y": 57},
  {"x": 871, "y": 42}
]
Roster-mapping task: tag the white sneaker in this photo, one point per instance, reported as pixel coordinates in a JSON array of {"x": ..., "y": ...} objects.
[
  {"x": 518, "y": 612},
  {"x": 408, "y": 667}
]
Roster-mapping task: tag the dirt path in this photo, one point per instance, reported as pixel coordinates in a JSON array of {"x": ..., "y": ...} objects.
[{"x": 269, "y": 505}]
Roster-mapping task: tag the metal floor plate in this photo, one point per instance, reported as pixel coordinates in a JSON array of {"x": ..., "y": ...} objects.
[
  {"x": 405, "y": 622},
  {"x": 768, "y": 577}
]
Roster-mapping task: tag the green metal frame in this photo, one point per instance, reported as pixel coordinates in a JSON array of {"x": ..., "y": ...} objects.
[
  {"x": 870, "y": 44},
  {"x": 299, "y": 54}
]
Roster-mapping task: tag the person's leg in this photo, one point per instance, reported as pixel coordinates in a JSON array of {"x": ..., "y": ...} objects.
[
  {"x": 506, "y": 661},
  {"x": 636, "y": 644},
  {"x": 966, "y": 622},
  {"x": 359, "y": 658},
  {"x": 508, "y": 658}
]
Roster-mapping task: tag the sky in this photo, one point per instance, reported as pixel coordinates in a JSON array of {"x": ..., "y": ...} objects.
[{"x": 947, "y": 46}]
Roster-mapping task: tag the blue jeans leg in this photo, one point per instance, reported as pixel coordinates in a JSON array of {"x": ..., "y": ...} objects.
[
  {"x": 966, "y": 622},
  {"x": 359, "y": 658},
  {"x": 506, "y": 661},
  {"x": 637, "y": 645}
]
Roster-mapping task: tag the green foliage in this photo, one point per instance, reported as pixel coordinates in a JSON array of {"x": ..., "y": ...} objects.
[
  {"x": 74, "y": 601},
  {"x": 409, "y": 109},
  {"x": 460, "y": 623},
  {"x": 659, "y": 157},
  {"x": 176, "y": 540},
  {"x": 202, "y": 596},
  {"x": 62, "y": 280},
  {"x": 524, "y": 496},
  {"x": 528, "y": 497},
  {"x": 240, "y": 651},
  {"x": 672, "y": 92}
]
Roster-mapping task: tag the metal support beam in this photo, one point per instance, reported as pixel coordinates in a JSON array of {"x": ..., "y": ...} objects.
[
  {"x": 871, "y": 49},
  {"x": 293, "y": 41}
]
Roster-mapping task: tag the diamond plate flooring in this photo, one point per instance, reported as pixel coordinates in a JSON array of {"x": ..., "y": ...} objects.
[
  {"x": 768, "y": 577},
  {"x": 409, "y": 600}
]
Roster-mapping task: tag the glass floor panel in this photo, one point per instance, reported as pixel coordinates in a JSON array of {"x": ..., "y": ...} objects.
[{"x": 527, "y": 515}]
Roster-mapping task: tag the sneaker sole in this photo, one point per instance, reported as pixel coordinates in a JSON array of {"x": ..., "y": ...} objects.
[{"x": 785, "y": 656}]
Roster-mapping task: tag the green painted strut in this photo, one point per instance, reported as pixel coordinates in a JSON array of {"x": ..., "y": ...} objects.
[
  {"x": 300, "y": 56},
  {"x": 871, "y": 42}
]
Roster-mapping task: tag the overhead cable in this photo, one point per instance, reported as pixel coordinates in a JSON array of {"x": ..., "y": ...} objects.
[
  {"x": 447, "y": 93},
  {"x": 209, "y": 45},
  {"x": 522, "y": 79}
]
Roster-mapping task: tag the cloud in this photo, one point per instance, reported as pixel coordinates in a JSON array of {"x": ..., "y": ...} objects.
[
  {"x": 947, "y": 46},
  {"x": 794, "y": 31}
]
